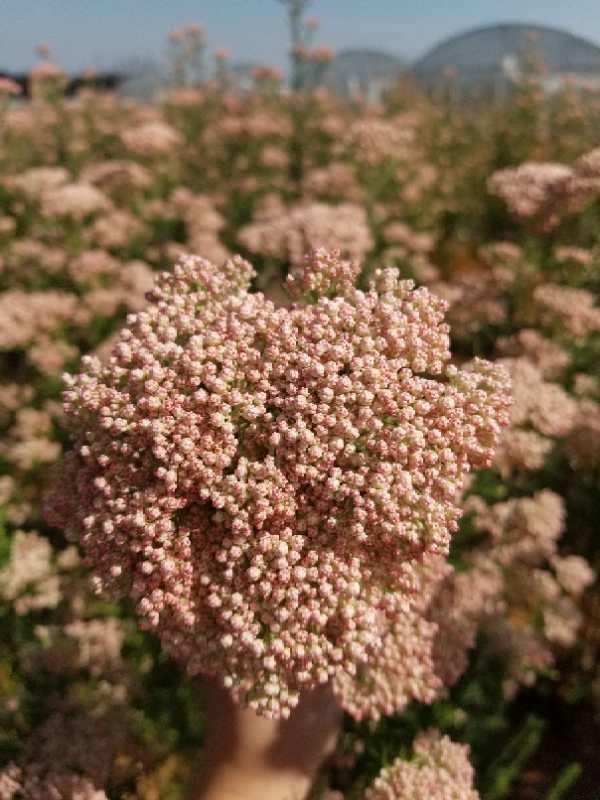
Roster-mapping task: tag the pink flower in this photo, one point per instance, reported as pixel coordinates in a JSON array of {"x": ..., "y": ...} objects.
[
  {"x": 289, "y": 234},
  {"x": 263, "y": 482},
  {"x": 439, "y": 770},
  {"x": 151, "y": 139}
]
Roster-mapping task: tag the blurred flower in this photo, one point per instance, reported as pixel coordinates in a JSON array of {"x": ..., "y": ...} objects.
[
  {"x": 289, "y": 234},
  {"x": 151, "y": 139},
  {"x": 9, "y": 87},
  {"x": 571, "y": 310},
  {"x": 29, "y": 578},
  {"x": 76, "y": 200}
]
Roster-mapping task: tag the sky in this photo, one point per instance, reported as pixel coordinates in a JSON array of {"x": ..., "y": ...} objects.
[{"x": 109, "y": 33}]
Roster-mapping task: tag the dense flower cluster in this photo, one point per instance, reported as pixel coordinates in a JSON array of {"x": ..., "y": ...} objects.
[
  {"x": 534, "y": 581},
  {"x": 583, "y": 443},
  {"x": 260, "y": 480},
  {"x": 571, "y": 310},
  {"x": 379, "y": 139},
  {"x": 549, "y": 358},
  {"x": 532, "y": 190},
  {"x": 541, "y": 410},
  {"x": 336, "y": 181},
  {"x": 544, "y": 193},
  {"x": 28, "y": 580},
  {"x": 402, "y": 668},
  {"x": 73, "y": 200},
  {"x": 34, "y": 182},
  {"x": 545, "y": 406},
  {"x": 424, "y": 641},
  {"x": 26, "y": 315},
  {"x": 439, "y": 770},
  {"x": 289, "y": 234},
  {"x": 151, "y": 139}
]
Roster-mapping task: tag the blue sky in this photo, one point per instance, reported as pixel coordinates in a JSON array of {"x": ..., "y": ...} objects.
[{"x": 104, "y": 33}]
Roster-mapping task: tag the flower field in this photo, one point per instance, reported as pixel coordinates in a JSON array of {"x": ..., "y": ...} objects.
[{"x": 341, "y": 320}]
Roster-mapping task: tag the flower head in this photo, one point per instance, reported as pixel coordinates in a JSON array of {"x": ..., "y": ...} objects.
[{"x": 264, "y": 481}]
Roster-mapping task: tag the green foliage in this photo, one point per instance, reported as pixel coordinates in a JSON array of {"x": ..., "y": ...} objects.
[
  {"x": 565, "y": 782},
  {"x": 500, "y": 777}
]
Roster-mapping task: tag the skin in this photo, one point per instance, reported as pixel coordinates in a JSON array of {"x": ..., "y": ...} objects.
[{"x": 250, "y": 757}]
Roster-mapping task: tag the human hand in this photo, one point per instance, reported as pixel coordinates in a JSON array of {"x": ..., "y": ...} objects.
[{"x": 250, "y": 757}]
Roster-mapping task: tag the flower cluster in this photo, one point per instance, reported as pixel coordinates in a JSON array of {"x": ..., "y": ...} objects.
[
  {"x": 534, "y": 581},
  {"x": 541, "y": 411},
  {"x": 439, "y": 770},
  {"x": 26, "y": 315},
  {"x": 288, "y": 234},
  {"x": 379, "y": 140},
  {"x": 532, "y": 190},
  {"x": 336, "y": 181},
  {"x": 151, "y": 139},
  {"x": 583, "y": 443},
  {"x": 77, "y": 200},
  {"x": 424, "y": 640},
  {"x": 544, "y": 193},
  {"x": 261, "y": 480},
  {"x": 572, "y": 311},
  {"x": 549, "y": 358},
  {"x": 29, "y": 579}
]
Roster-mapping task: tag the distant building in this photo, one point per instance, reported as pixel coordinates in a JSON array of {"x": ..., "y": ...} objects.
[
  {"x": 490, "y": 59},
  {"x": 478, "y": 62},
  {"x": 101, "y": 80},
  {"x": 365, "y": 73}
]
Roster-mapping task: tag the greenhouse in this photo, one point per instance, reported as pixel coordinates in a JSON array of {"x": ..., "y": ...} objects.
[{"x": 492, "y": 58}]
